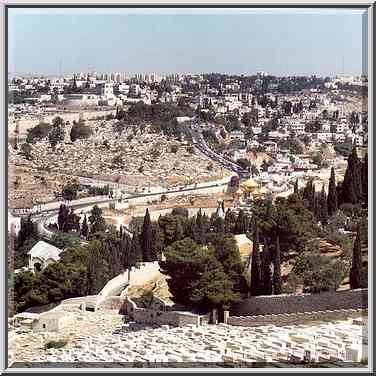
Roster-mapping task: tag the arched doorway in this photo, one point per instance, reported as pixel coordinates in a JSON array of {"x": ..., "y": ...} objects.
[{"x": 38, "y": 267}]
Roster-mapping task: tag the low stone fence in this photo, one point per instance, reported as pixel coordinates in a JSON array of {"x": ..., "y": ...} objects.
[
  {"x": 149, "y": 199},
  {"x": 295, "y": 318},
  {"x": 278, "y": 304},
  {"x": 112, "y": 303},
  {"x": 159, "y": 317}
]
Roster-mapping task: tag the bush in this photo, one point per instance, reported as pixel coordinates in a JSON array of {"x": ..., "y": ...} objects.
[
  {"x": 180, "y": 211},
  {"x": 55, "y": 344},
  {"x": 39, "y": 132},
  {"x": 343, "y": 149},
  {"x": 191, "y": 149},
  {"x": 318, "y": 273},
  {"x": 80, "y": 131},
  {"x": 174, "y": 149}
]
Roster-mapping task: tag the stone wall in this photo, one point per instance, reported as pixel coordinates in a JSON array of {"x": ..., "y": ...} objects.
[
  {"x": 138, "y": 276},
  {"x": 143, "y": 200},
  {"x": 277, "y": 304},
  {"x": 295, "y": 318},
  {"x": 25, "y": 124},
  {"x": 112, "y": 303},
  {"x": 159, "y": 317},
  {"x": 113, "y": 287}
]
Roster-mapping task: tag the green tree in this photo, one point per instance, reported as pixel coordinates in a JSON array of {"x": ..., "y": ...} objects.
[
  {"x": 185, "y": 263},
  {"x": 200, "y": 230},
  {"x": 146, "y": 238},
  {"x": 56, "y": 135},
  {"x": 72, "y": 222},
  {"x": 97, "y": 222},
  {"x": 28, "y": 229},
  {"x": 332, "y": 200},
  {"x": 26, "y": 151},
  {"x": 69, "y": 191},
  {"x": 277, "y": 277},
  {"x": 356, "y": 266},
  {"x": 157, "y": 241},
  {"x": 62, "y": 217},
  {"x": 97, "y": 267},
  {"x": 256, "y": 282},
  {"x": 62, "y": 240},
  {"x": 365, "y": 180},
  {"x": 84, "y": 228},
  {"x": 214, "y": 290},
  {"x": 242, "y": 223},
  {"x": 309, "y": 195},
  {"x": 352, "y": 182},
  {"x": 266, "y": 271},
  {"x": 296, "y": 186},
  {"x": 323, "y": 207},
  {"x": 226, "y": 251},
  {"x": 80, "y": 131},
  {"x": 179, "y": 232},
  {"x": 318, "y": 273}
]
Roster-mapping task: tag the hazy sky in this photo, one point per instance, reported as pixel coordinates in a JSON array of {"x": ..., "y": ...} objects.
[{"x": 279, "y": 42}]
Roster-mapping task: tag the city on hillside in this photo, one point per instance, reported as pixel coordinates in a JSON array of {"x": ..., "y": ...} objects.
[{"x": 187, "y": 219}]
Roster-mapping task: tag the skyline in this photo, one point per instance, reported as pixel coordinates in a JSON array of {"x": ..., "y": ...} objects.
[{"x": 296, "y": 43}]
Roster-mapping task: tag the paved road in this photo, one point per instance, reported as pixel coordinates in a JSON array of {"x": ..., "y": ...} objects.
[
  {"x": 51, "y": 209},
  {"x": 201, "y": 144}
]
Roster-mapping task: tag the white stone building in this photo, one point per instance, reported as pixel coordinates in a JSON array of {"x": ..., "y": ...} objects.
[{"x": 42, "y": 255}]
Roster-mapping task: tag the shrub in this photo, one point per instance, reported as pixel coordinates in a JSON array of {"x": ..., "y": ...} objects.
[
  {"x": 80, "y": 131},
  {"x": 174, "y": 149},
  {"x": 55, "y": 344},
  {"x": 180, "y": 211}
]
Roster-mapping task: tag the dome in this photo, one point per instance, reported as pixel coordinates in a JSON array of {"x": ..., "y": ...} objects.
[{"x": 250, "y": 184}]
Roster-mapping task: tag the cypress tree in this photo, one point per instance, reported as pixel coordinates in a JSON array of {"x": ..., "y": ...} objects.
[
  {"x": 97, "y": 222},
  {"x": 312, "y": 199},
  {"x": 316, "y": 207},
  {"x": 268, "y": 210},
  {"x": 332, "y": 199},
  {"x": 277, "y": 278},
  {"x": 157, "y": 242},
  {"x": 256, "y": 287},
  {"x": 267, "y": 282},
  {"x": 309, "y": 195},
  {"x": 352, "y": 182},
  {"x": 365, "y": 180},
  {"x": 179, "y": 232},
  {"x": 296, "y": 186},
  {"x": 199, "y": 228},
  {"x": 84, "y": 228},
  {"x": 323, "y": 207},
  {"x": 62, "y": 217},
  {"x": 146, "y": 238},
  {"x": 241, "y": 225},
  {"x": 356, "y": 266}
]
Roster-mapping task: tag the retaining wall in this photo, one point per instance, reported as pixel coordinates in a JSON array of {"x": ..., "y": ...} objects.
[
  {"x": 25, "y": 124},
  {"x": 157, "y": 198},
  {"x": 295, "y": 318},
  {"x": 158, "y": 317},
  {"x": 277, "y": 304}
]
